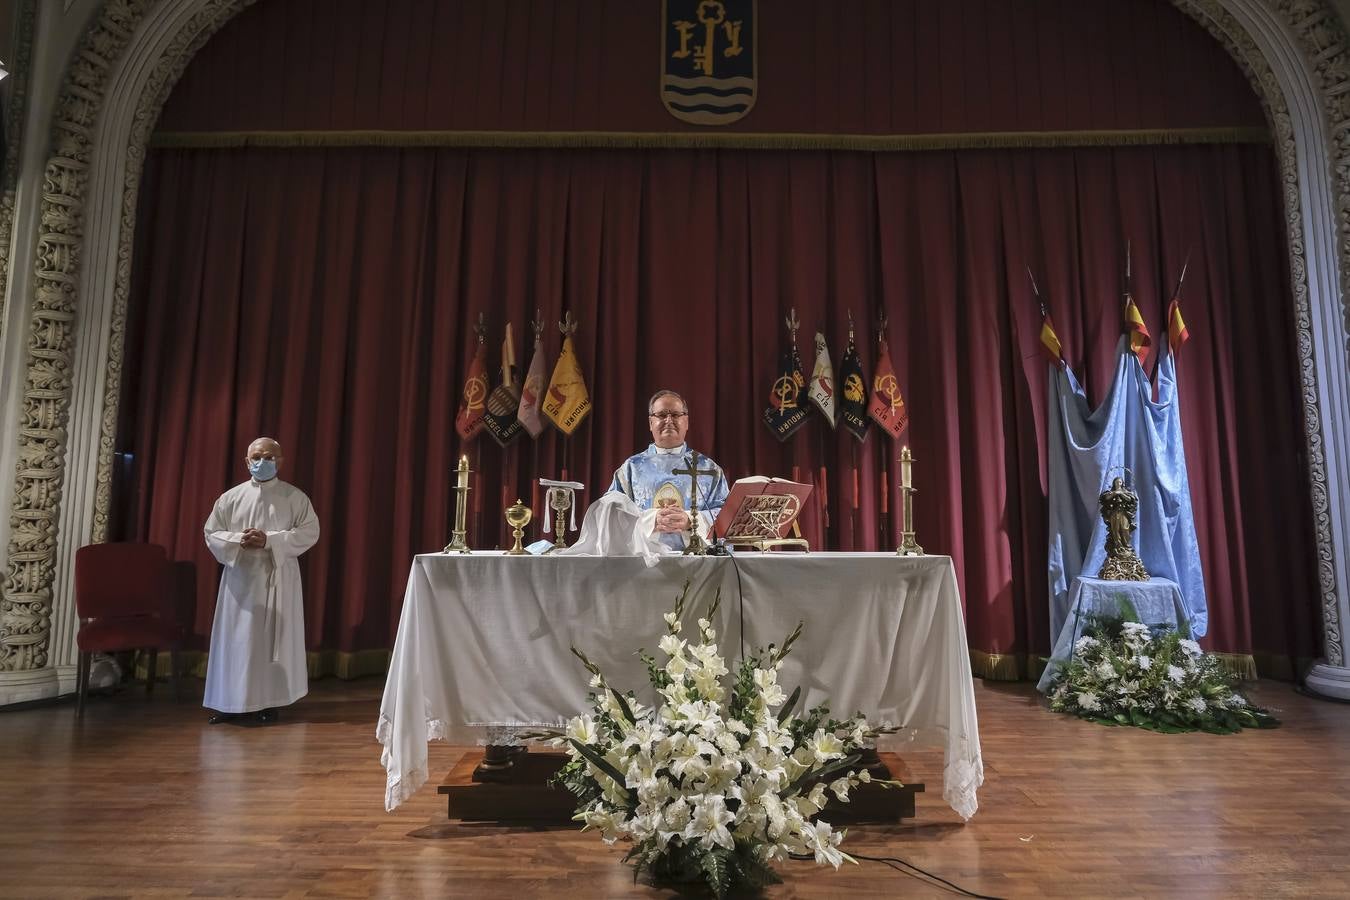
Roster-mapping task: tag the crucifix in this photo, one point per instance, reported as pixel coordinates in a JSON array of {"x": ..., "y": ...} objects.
[{"x": 697, "y": 546}]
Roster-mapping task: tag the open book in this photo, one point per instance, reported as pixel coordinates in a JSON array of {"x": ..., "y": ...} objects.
[{"x": 760, "y": 509}]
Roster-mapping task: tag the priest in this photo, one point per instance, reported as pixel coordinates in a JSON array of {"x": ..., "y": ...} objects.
[
  {"x": 257, "y": 530},
  {"x": 650, "y": 478}
]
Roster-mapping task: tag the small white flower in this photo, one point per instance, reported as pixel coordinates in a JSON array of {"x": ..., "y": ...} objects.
[
  {"x": 704, "y": 624},
  {"x": 1088, "y": 701},
  {"x": 864, "y": 776},
  {"x": 1085, "y": 643},
  {"x": 1105, "y": 670},
  {"x": 597, "y": 682},
  {"x": 826, "y": 746},
  {"x": 671, "y": 620},
  {"x": 709, "y": 823},
  {"x": 1191, "y": 647},
  {"x": 1175, "y": 674},
  {"x": 1197, "y": 704},
  {"x": 1144, "y": 661},
  {"x": 1235, "y": 701},
  {"x": 824, "y": 842},
  {"x": 609, "y": 824},
  {"x": 840, "y": 788},
  {"x": 582, "y": 729}
]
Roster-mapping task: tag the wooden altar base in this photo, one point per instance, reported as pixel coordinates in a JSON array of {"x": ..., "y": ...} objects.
[{"x": 527, "y": 797}]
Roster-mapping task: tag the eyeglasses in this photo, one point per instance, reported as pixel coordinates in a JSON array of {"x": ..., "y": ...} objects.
[{"x": 668, "y": 416}]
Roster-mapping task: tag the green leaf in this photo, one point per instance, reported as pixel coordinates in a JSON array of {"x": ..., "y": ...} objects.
[
  {"x": 604, "y": 766},
  {"x": 717, "y": 869},
  {"x": 819, "y": 774},
  {"x": 623, "y": 705},
  {"x": 787, "y": 707}
]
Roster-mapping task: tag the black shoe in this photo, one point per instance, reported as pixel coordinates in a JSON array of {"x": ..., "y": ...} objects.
[
  {"x": 267, "y": 716},
  {"x": 220, "y": 717}
]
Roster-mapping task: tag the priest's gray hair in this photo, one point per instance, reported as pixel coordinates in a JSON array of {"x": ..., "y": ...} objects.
[{"x": 651, "y": 404}]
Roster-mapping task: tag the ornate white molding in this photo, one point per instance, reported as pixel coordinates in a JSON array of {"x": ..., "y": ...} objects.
[
  {"x": 25, "y": 607},
  {"x": 145, "y": 45},
  {"x": 17, "y": 86}
]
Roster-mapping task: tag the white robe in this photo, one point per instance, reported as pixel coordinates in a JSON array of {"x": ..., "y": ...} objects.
[{"x": 257, "y": 656}]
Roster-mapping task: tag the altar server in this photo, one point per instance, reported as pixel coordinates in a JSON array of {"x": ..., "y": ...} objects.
[{"x": 257, "y": 530}]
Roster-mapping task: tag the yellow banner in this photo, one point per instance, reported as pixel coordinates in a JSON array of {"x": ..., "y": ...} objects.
[{"x": 567, "y": 401}]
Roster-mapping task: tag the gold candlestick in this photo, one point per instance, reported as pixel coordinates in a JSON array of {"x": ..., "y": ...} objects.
[
  {"x": 457, "y": 544},
  {"x": 908, "y": 546},
  {"x": 518, "y": 515}
]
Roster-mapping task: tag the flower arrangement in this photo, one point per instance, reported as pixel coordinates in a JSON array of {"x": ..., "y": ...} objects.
[
  {"x": 718, "y": 779},
  {"x": 1126, "y": 673}
]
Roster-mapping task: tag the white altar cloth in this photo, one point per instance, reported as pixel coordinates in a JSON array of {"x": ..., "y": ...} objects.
[{"x": 484, "y": 641}]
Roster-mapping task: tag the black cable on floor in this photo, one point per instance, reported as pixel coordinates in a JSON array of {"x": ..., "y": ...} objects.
[{"x": 892, "y": 862}]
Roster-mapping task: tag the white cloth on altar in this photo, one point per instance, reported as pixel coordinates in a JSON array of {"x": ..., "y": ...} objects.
[
  {"x": 614, "y": 526},
  {"x": 484, "y": 642},
  {"x": 257, "y": 655}
]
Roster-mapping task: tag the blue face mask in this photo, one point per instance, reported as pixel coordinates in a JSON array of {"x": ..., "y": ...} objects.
[{"x": 262, "y": 469}]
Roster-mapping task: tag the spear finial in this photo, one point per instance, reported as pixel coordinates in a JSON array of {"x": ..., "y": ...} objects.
[
  {"x": 1037, "y": 291},
  {"x": 1186, "y": 265}
]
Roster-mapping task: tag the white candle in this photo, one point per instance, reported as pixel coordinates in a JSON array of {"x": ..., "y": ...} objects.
[{"x": 905, "y": 475}]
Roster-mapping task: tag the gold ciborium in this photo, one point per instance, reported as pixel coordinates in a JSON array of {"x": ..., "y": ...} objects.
[{"x": 518, "y": 515}]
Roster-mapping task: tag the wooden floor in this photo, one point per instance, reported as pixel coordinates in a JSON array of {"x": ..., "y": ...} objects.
[{"x": 145, "y": 799}]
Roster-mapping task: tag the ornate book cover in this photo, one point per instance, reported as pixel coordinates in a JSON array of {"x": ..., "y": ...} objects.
[{"x": 760, "y": 508}]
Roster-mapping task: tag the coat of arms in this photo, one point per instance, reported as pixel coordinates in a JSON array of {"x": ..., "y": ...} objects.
[{"x": 708, "y": 59}]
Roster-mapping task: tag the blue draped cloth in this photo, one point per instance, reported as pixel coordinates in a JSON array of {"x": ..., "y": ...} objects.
[
  {"x": 1156, "y": 601},
  {"x": 647, "y": 478},
  {"x": 1129, "y": 429}
]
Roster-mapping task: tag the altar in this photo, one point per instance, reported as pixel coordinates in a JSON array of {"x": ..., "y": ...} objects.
[{"x": 483, "y": 645}]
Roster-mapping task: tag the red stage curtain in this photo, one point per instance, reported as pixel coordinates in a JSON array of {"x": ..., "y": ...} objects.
[
  {"x": 325, "y": 297},
  {"x": 852, "y": 67}
]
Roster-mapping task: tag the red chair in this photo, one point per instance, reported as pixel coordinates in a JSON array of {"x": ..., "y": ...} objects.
[{"x": 124, "y": 595}]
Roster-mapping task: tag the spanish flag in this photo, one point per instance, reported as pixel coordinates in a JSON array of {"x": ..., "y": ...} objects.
[
  {"x": 887, "y": 408},
  {"x": 567, "y": 401},
  {"x": 1137, "y": 330},
  {"x": 1176, "y": 326},
  {"x": 472, "y": 402},
  {"x": 1050, "y": 340}
]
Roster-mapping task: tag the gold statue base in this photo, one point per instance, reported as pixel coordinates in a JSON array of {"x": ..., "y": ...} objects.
[{"x": 1123, "y": 568}]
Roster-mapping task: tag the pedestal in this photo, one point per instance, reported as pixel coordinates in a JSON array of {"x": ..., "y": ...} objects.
[
  {"x": 520, "y": 792},
  {"x": 1329, "y": 681}
]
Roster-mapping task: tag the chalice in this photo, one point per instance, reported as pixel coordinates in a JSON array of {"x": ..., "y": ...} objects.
[{"x": 518, "y": 515}]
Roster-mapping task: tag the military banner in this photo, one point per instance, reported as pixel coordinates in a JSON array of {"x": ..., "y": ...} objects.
[
  {"x": 887, "y": 408},
  {"x": 502, "y": 403},
  {"x": 853, "y": 387},
  {"x": 567, "y": 401},
  {"x": 788, "y": 408},
  {"x": 532, "y": 389},
  {"x": 821, "y": 392},
  {"x": 469, "y": 421}
]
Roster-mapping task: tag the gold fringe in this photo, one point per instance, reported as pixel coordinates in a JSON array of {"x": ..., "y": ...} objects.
[
  {"x": 704, "y": 139},
  {"x": 996, "y": 666},
  {"x": 321, "y": 664},
  {"x": 1241, "y": 665}
]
